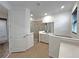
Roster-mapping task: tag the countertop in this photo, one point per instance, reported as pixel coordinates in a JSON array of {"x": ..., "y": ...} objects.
[
  {"x": 70, "y": 40},
  {"x": 64, "y": 39}
]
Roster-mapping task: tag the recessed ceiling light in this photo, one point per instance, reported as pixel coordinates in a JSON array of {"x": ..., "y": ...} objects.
[
  {"x": 62, "y": 6},
  {"x": 45, "y": 13},
  {"x": 31, "y": 14}
]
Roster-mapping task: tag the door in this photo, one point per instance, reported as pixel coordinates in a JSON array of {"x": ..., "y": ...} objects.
[{"x": 3, "y": 32}]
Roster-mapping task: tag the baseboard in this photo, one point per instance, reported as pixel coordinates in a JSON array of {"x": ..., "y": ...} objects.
[
  {"x": 51, "y": 57},
  {"x": 43, "y": 42}
]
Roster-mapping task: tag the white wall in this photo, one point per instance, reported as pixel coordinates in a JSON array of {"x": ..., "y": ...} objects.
[
  {"x": 62, "y": 24},
  {"x": 27, "y": 21}
]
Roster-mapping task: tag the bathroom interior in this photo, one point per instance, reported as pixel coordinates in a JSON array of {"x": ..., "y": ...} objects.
[
  {"x": 37, "y": 26},
  {"x": 55, "y": 24},
  {"x": 51, "y": 25},
  {"x": 57, "y": 31}
]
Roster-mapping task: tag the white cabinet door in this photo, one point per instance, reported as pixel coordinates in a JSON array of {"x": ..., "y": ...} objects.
[
  {"x": 30, "y": 41},
  {"x": 54, "y": 45},
  {"x": 17, "y": 45},
  {"x": 46, "y": 38},
  {"x": 21, "y": 43},
  {"x": 43, "y": 38}
]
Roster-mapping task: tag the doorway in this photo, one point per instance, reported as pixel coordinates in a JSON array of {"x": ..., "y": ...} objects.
[
  {"x": 4, "y": 43},
  {"x": 36, "y": 26}
]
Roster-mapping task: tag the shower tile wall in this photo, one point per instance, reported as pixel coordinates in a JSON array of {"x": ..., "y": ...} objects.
[{"x": 37, "y": 26}]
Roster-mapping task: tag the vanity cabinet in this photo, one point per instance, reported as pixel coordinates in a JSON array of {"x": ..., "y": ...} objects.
[{"x": 43, "y": 37}]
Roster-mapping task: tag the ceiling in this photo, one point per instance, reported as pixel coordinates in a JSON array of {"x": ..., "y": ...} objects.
[{"x": 38, "y": 8}]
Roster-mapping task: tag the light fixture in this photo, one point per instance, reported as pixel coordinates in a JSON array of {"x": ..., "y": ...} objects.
[
  {"x": 62, "y": 6},
  {"x": 31, "y": 18},
  {"x": 45, "y": 14},
  {"x": 48, "y": 19},
  {"x": 31, "y": 14}
]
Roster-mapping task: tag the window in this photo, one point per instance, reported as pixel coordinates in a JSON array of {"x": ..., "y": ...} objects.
[{"x": 74, "y": 21}]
